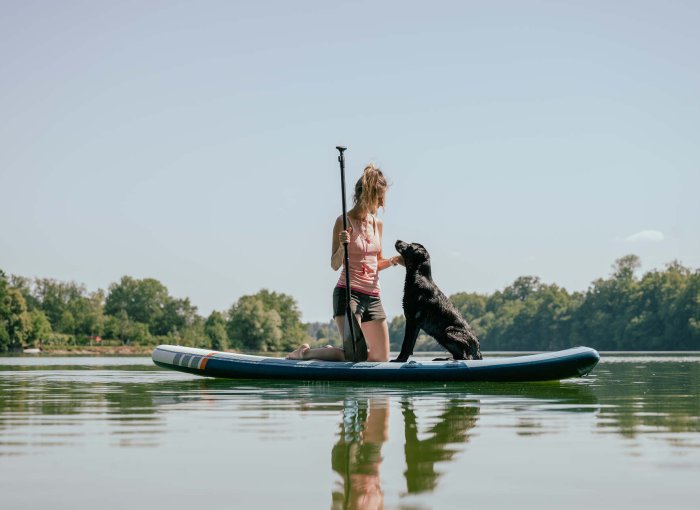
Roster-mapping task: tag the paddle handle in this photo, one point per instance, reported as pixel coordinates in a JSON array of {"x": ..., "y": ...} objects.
[{"x": 348, "y": 310}]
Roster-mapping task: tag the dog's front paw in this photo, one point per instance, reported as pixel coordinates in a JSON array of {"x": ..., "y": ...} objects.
[{"x": 399, "y": 360}]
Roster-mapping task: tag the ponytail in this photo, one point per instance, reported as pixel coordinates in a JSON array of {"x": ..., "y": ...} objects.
[{"x": 370, "y": 189}]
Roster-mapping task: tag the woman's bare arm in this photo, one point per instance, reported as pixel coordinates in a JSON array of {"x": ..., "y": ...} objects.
[
  {"x": 336, "y": 246},
  {"x": 383, "y": 263}
]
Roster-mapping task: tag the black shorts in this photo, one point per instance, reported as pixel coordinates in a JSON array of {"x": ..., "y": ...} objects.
[{"x": 368, "y": 307}]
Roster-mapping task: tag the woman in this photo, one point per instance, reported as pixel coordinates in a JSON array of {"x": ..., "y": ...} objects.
[{"x": 364, "y": 236}]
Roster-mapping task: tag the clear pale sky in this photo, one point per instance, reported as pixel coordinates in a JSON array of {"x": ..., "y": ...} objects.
[{"x": 193, "y": 142}]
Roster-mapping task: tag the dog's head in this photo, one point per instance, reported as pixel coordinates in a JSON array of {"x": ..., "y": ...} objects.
[{"x": 414, "y": 254}]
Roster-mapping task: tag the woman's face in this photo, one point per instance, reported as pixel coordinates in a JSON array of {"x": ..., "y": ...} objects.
[{"x": 381, "y": 198}]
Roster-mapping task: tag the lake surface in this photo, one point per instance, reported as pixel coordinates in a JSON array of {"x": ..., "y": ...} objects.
[{"x": 121, "y": 433}]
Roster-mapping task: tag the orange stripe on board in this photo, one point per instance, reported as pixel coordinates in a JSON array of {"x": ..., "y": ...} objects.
[{"x": 203, "y": 363}]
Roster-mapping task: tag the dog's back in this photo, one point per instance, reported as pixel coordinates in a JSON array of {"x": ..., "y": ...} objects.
[{"x": 441, "y": 320}]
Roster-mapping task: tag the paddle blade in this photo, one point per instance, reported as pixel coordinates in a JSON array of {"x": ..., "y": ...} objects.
[{"x": 360, "y": 350}]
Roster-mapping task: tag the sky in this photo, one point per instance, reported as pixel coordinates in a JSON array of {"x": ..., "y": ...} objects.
[{"x": 194, "y": 142}]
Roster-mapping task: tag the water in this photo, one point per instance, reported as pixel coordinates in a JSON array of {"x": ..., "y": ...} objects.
[{"x": 121, "y": 433}]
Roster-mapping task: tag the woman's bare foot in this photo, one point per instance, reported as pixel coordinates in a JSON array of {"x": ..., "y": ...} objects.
[{"x": 299, "y": 352}]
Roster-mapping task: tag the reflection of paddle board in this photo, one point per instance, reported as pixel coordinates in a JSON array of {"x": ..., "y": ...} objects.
[{"x": 536, "y": 367}]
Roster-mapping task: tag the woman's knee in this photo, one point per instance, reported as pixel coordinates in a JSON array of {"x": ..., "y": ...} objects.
[
  {"x": 377, "y": 358},
  {"x": 377, "y": 336}
]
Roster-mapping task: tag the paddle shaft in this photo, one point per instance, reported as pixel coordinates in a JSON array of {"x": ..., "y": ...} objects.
[{"x": 348, "y": 310}]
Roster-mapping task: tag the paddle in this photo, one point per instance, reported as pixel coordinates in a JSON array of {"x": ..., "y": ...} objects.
[{"x": 354, "y": 343}]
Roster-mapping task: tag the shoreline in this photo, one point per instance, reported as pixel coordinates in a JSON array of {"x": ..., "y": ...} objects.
[
  {"x": 146, "y": 350},
  {"x": 95, "y": 350}
]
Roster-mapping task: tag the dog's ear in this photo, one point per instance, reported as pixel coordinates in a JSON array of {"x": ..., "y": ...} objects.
[{"x": 420, "y": 251}]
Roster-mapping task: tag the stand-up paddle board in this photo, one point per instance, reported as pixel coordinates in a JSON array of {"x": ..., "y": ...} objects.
[{"x": 549, "y": 366}]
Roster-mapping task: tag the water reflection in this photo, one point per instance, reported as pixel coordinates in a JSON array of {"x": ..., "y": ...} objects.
[
  {"x": 56, "y": 405},
  {"x": 644, "y": 395},
  {"x": 51, "y": 405},
  {"x": 437, "y": 423},
  {"x": 364, "y": 428},
  {"x": 452, "y": 428},
  {"x": 452, "y": 415},
  {"x": 357, "y": 456}
]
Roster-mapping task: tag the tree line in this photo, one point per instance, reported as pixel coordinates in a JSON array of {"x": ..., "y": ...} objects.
[
  {"x": 658, "y": 311},
  {"x": 47, "y": 313}
]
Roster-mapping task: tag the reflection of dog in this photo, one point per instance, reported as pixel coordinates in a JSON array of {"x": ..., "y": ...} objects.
[
  {"x": 427, "y": 308},
  {"x": 439, "y": 443}
]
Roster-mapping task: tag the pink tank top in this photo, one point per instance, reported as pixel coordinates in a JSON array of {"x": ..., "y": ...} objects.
[{"x": 363, "y": 252}]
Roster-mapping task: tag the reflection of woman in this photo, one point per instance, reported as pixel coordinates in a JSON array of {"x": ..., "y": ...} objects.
[
  {"x": 364, "y": 238},
  {"x": 357, "y": 454}
]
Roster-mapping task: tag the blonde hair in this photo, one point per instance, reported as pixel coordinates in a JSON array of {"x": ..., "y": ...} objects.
[{"x": 370, "y": 189}]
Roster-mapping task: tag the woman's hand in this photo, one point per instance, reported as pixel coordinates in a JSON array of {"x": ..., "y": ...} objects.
[
  {"x": 340, "y": 236},
  {"x": 390, "y": 262},
  {"x": 344, "y": 236}
]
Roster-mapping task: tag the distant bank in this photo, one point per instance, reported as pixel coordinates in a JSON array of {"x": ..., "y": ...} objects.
[{"x": 657, "y": 311}]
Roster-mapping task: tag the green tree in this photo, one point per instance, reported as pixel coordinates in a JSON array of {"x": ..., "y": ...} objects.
[
  {"x": 66, "y": 323},
  {"x": 148, "y": 303},
  {"x": 17, "y": 322},
  {"x": 397, "y": 326},
  {"x": 472, "y": 307},
  {"x": 176, "y": 315},
  {"x": 4, "y": 336},
  {"x": 625, "y": 267},
  {"x": 604, "y": 319},
  {"x": 192, "y": 335},
  {"x": 4, "y": 313},
  {"x": 668, "y": 306},
  {"x": 254, "y": 326},
  {"x": 688, "y": 307},
  {"x": 40, "y": 327},
  {"x": 215, "y": 330},
  {"x": 67, "y": 305},
  {"x": 324, "y": 333},
  {"x": 25, "y": 286},
  {"x": 55, "y": 299},
  {"x": 470, "y": 304},
  {"x": 522, "y": 288},
  {"x": 286, "y": 307},
  {"x": 88, "y": 313},
  {"x": 143, "y": 301},
  {"x": 121, "y": 327}
]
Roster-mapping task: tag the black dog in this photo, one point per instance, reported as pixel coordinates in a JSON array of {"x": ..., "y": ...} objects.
[{"x": 427, "y": 308}]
